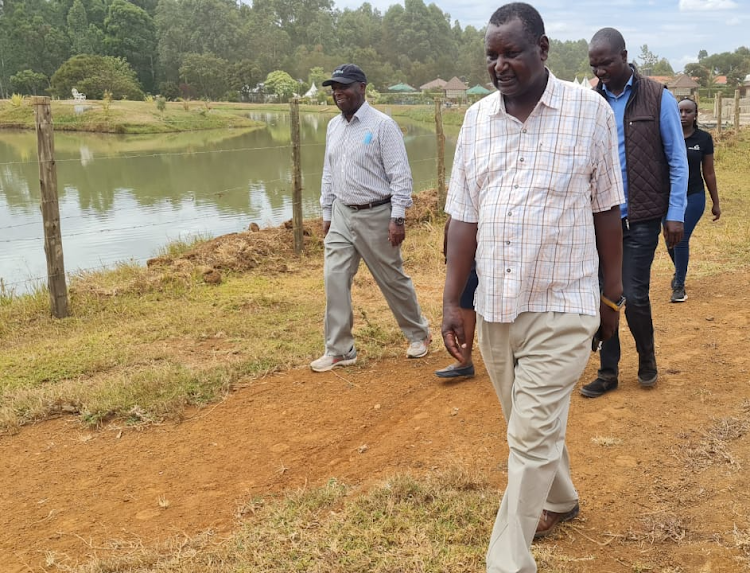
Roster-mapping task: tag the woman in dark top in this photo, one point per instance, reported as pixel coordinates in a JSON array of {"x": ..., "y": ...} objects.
[{"x": 700, "y": 154}]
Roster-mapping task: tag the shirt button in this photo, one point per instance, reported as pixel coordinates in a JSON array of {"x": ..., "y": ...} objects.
[
  {"x": 523, "y": 130},
  {"x": 515, "y": 186},
  {"x": 507, "y": 242},
  {"x": 521, "y": 160},
  {"x": 510, "y": 213},
  {"x": 507, "y": 270}
]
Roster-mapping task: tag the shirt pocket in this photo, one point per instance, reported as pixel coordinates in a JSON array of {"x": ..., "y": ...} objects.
[
  {"x": 365, "y": 149},
  {"x": 562, "y": 167}
]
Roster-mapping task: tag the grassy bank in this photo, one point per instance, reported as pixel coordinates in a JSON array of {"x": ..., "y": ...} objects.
[
  {"x": 131, "y": 347},
  {"x": 453, "y": 116},
  {"x": 126, "y": 117},
  {"x": 134, "y": 117}
]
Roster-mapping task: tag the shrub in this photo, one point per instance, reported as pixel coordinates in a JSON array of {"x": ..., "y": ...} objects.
[
  {"x": 169, "y": 90},
  {"x": 93, "y": 75},
  {"x": 29, "y": 82},
  {"x": 232, "y": 96},
  {"x": 107, "y": 102},
  {"x": 161, "y": 104},
  {"x": 16, "y": 100}
]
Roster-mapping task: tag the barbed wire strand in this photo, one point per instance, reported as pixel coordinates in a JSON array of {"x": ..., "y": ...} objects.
[
  {"x": 174, "y": 154},
  {"x": 153, "y": 224},
  {"x": 192, "y": 193}
]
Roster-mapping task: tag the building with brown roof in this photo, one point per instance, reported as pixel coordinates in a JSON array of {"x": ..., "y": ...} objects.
[
  {"x": 436, "y": 84},
  {"x": 683, "y": 86},
  {"x": 455, "y": 90}
]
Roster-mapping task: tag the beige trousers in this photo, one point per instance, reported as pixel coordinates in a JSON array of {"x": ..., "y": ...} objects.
[
  {"x": 363, "y": 235},
  {"x": 534, "y": 364}
]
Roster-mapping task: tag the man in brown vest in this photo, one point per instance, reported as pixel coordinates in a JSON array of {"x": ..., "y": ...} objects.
[{"x": 654, "y": 168}]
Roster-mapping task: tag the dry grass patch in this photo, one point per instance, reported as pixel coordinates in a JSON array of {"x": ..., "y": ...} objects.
[
  {"x": 606, "y": 441},
  {"x": 742, "y": 541},
  {"x": 659, "y": 528},
  {"x": 713, "y": 447},
  {"x": 437, "y": 524}
]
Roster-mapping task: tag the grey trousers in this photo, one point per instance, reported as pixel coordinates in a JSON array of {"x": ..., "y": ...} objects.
[
  {"x": 534, "y": 364},
  {"x": 356, "y": 235}
]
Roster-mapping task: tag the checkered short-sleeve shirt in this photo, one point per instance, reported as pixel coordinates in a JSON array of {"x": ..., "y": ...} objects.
[{"x": 532, "y": 188}]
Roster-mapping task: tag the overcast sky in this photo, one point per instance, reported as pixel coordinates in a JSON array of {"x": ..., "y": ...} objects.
[{"x": 672, "y": 29}]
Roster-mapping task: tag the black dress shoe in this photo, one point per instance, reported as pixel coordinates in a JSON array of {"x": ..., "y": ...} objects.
[
  {"x": 598, "y": 387},
  {"x": 455, "y": 371}
]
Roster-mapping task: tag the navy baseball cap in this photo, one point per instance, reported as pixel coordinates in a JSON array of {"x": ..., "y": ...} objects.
[{"x": 346, "y": 74}]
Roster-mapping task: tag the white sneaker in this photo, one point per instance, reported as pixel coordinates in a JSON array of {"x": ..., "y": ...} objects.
[
  {"x": 419, "y": 348},
  {"x": 326, "y": 362}
]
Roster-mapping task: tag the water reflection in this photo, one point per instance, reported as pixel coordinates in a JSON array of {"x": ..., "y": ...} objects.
[{"x": 123, "y": 197}]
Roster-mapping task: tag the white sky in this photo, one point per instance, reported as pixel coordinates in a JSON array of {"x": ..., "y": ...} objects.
[{"x": 672, "y": 29}]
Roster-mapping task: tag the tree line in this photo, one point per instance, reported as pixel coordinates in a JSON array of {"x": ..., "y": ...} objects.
[{"x": 220, "y": 49}]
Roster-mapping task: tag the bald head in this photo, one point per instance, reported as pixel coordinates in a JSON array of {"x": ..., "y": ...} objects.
[
  {"x": 608, "y": 59},
  {"x": 610, "y": 38}
]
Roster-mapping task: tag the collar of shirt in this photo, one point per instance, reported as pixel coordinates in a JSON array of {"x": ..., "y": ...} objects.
[
  {"x": 625, "y": 90},
  {"x": 551, "y": 96},
  {"x": 360, "y": 115}
]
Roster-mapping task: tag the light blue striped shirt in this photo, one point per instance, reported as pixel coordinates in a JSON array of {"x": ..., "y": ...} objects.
[{"x": 365, "y": 160}]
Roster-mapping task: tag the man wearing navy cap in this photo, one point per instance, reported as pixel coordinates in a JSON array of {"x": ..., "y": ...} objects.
[{"x": 365, "y": 192}]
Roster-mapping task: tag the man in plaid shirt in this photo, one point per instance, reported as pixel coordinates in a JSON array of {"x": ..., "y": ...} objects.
[{"x": 534, "y": 197}]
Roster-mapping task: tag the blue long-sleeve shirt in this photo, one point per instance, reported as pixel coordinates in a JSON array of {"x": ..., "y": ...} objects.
[{"x": 674, "y": 148}]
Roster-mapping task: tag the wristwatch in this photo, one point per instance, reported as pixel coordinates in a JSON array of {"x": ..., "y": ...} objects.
[
  {"x": 399, "y": 221},
  {"x": 616, "y": 306}
]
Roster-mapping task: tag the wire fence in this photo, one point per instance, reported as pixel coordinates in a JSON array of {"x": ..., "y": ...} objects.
[{"x": 10, "y": 243}]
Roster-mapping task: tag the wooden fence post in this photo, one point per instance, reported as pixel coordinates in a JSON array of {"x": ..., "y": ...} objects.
[
  {"x": 440, "y": 154},
  {"x": 719, "y": 112},
  {"x": 736, "y": 113},
  {"x": 58, "y": 291},
  {"x": 296, "y": 178}
]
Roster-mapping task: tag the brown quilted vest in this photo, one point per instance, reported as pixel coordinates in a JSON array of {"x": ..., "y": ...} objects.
[{"x": 647, "y": 165}]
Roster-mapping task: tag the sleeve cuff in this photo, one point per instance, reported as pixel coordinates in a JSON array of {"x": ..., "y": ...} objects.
[
  {"x": 397, "y": 212},
  {"x": 676, "y": 215}
]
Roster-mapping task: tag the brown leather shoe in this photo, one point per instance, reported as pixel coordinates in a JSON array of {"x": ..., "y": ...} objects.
[{"x": 550, "y": 520}]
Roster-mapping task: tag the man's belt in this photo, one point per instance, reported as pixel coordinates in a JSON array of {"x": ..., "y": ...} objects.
[{"x": 369, "y": 205}]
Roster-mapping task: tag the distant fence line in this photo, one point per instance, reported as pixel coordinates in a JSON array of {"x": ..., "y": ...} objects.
[{"x": 733, "y": 110}]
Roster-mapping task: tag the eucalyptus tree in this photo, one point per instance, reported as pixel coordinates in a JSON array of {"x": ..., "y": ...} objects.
[
  {"x": 360, "y": 28},
  {"x": 196, "y": 27},
  {"x": 265, "y": 41},
  {"x": 85, "y": 37},
  {"x": 130, "y": 33},
  {"x": 206, "y": 74}
]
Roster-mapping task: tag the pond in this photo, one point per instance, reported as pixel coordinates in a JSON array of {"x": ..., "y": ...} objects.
[{"x": 122, "y": 198}]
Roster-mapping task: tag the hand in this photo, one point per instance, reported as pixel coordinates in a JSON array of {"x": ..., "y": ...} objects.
[
  {"x": 610, "y": 321},
  {"x": 326, "y": 227},
  {"x": 716, "y": 210},
  {"x": 396, "y": 233},
  {"x": 452, "y": 330},
  {"x": 673, "y": 232}
]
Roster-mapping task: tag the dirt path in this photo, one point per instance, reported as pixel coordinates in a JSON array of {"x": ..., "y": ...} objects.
[{"x": 662, "y": 474}]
